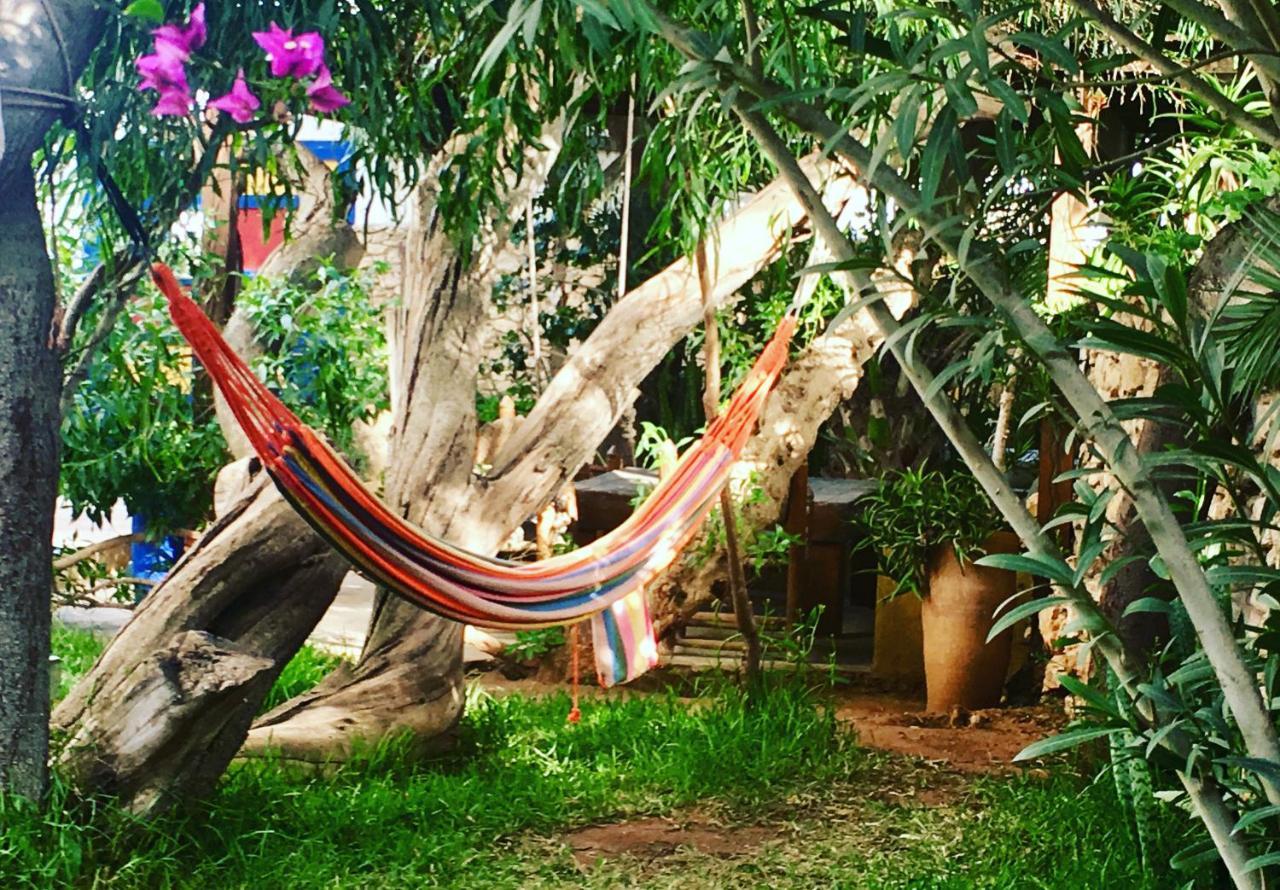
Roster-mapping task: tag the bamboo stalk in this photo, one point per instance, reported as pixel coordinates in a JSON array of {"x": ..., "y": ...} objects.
[
  {"x": 1097, "y": 422},
  {"x": 1208, "y": 795}
]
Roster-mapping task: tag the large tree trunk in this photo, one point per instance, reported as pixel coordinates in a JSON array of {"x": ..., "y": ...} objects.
[
  {"x": 28, "y": 486},
  {"x": 169, "y": 701},
  {"x": 36, "y": 52},
  {"x": 409, "y": 678},
  {"x": 199, "y": 656}
]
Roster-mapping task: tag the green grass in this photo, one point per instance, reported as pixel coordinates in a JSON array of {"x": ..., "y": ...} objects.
[
  {"x": 303, "y": 671},
  {"x": 493, "y": 814},
  {"x": 78, "y": 649}
]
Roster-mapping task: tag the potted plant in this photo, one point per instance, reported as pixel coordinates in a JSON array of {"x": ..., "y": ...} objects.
[{"x": 927, "y": 527}]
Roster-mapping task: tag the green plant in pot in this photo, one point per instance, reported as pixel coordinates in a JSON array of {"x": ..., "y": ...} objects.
[{"x": 927, "y": 527}]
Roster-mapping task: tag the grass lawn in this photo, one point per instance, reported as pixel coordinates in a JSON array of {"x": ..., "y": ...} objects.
[{"x": 776, "y": 795}]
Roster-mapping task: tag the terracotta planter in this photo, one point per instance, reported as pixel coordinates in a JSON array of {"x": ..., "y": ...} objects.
[{"x": 961, "y": 669}]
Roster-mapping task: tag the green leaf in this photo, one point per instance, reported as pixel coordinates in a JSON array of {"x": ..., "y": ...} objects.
[
  {"x": 1053, "y": 50},
  {"x": 1009, "y": 98},
  {"x": 960, "y": 97},
  {"x": 1262, "y": 861},
  {"x": 1087, "y": 693},
  {"x": 1255, "y": 816},
  {"x": 1146, "y": 604},
  {"x": 1194, "y": 855},
  {"x": 1255, "y": 765},
  {"x": 1024, "y": 610},
  {"x": 1041, "y": 566},
  {"x": 1229, "y": 576},
  {"x": 904, "y": 126},
  {"x": 150, "y": 10},
  {"x": 1171, "y": 287},
  {"x": 1064, "y": 741},
  {"x": 936, "y": 147},
  {"x": 1115, "y": 337},
  {"x": 1114, "y": 568}
]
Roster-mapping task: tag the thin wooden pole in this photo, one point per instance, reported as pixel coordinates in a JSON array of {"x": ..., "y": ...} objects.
[
  {"x": 625, "y": 234},
  {"x": 628, "y": 419},
  {"x": 535, "y": 331},
  {"x": 742, "y": 612}
]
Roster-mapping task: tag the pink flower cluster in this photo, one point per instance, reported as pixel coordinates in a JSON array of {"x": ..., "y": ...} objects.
[
  {"x": 300, "y": 57},
  {"x": 165, "y": 69},
  {"x": 297, "y": 57}
]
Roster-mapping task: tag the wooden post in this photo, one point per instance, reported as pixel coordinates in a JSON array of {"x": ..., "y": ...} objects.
[{"x": 796, "y": 522}]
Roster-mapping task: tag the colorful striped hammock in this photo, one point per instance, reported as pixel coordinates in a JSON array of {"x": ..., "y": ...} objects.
[{"x": 604, "y": 579}]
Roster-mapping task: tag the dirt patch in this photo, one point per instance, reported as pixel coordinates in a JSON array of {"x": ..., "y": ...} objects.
[
  {"x": 656, "y": 838},
  {"x": 978, "y": 742}
]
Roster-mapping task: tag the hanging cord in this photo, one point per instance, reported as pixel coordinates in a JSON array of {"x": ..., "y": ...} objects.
[
  {"x": 124, "y": 211},
  {"x": 535, "y": 330},
  {"x": 625, "y": 234},
  {"x": 627, "y": 421},
  {"x": 67, "y": 103},
  {"x": 575, "y": 713}
]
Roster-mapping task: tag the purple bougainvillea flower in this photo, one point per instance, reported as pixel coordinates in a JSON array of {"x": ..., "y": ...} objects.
[
  {"x": 291, "y": 56},
  {"x": 162, "y": 71},
  {"x": 324, "y": 97},
  {"x": 173, "y": 103},
  {"x": 182, "y": 40},
  {"x": 240, "y": 103}
]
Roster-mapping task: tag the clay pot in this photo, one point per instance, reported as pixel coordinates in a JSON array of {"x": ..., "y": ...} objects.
[{"x": 961, "y": 669}]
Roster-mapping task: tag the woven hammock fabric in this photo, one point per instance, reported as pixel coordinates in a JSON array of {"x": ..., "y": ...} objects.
[{"x": 468, "y": 587}]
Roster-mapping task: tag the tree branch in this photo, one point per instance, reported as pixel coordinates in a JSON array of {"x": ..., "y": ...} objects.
[
  {"x": 586, "y": 398},
  {"x": 1216, "y": 23},
  {"x": 994, "y": 483},
  {"x": 1098, "y": 423},
  {"x": 110, "y": 314}
]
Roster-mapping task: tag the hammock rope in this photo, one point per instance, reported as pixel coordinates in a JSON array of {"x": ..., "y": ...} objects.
[{"x": 444, "y": 578}]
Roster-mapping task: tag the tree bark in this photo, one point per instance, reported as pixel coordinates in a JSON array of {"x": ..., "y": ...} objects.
[
  {"x": 206, "y": 625},
  {"x": 816, "y": 381},
  {"x": 409, "y": 678},
  {"x": 169, "y": 701},
  {"x": 42, "y": 53},
  {"x": 28, "y": 486}
]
